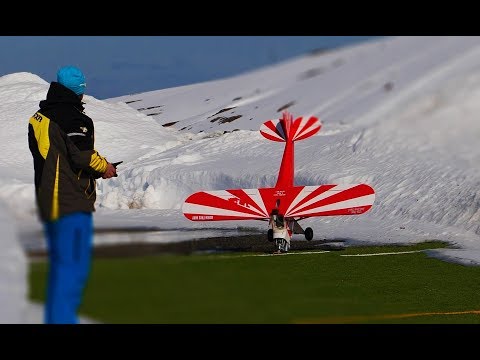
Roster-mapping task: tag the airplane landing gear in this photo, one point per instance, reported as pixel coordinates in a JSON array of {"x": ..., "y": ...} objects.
[
  {"x": 297, "y": 229},
  {"x": 309, "y": 233}
]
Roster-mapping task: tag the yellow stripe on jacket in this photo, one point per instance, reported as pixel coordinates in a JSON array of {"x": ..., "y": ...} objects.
[
  {"x": 55, "y": 206},
  {"x": 40, "y": 124}
]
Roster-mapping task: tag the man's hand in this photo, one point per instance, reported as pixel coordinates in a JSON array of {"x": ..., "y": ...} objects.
[{"x": 110, "y": 172}]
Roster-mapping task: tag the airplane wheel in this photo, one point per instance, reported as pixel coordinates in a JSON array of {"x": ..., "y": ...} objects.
[
  {"x": 270, "y": 235},
  {"x": 309, "y": 233}
]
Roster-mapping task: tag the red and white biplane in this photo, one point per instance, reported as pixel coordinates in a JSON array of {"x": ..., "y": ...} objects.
[{"x": 284, "y": 205}]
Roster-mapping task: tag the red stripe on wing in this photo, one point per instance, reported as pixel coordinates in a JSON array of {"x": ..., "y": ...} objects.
[
  {"x": 347, "y": 211},
  {"x": 348, "y": 194},
  {"x": 320, "y": 190},
  {"x": 220, "y": 203},
  {"x": 244, "y": 198}
]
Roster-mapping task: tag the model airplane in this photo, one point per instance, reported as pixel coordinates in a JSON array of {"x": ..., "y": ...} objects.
[{"x": 285, "y": 204}]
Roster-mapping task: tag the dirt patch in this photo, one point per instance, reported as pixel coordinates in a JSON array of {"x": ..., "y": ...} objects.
[{"x": 247, "y": 243}]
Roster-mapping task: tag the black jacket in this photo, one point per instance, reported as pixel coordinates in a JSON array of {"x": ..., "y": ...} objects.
[{"x": 61, "y": 140}]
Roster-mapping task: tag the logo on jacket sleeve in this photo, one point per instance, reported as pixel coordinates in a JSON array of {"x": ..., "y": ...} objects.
[{"x": 84, "y": 129}]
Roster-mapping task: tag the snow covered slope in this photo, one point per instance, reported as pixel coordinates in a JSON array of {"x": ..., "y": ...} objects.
[{"x": 399, "y": 114}]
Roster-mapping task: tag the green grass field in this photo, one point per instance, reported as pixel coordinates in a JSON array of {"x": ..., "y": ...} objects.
[{"x": 297, "y": 288}]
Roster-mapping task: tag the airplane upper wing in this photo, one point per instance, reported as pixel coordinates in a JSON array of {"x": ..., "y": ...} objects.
[
  {"x": 331, "y": 200},
  {"x": 296, "y": 201},
  {"x": 239, "y": 204}
]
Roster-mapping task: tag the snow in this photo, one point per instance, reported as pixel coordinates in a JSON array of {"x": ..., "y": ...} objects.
[{"x": 400, "y": 114}]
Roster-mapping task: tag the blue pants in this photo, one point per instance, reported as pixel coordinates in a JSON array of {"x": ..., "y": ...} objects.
[{"x": 69, "y": 241}]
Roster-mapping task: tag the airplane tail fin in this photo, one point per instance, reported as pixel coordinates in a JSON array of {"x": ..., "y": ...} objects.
[{"x": 286, "y": 128}]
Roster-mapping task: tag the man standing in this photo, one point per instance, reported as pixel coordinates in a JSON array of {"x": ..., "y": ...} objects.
[{"x": 61, "y": 140}]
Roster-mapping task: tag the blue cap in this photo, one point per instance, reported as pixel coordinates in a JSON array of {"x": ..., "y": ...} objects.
[{"x": 72, "y": 78}]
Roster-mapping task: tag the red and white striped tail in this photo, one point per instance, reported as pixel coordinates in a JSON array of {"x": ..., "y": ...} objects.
[{"x": 286, "y": 128}]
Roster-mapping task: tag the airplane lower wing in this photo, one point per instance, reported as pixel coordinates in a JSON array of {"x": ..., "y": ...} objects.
[{"x": 294, "y": 202}]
